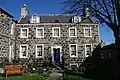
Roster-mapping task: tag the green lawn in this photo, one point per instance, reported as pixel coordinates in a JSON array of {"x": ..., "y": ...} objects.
[
  {"x": 36, "y": 76},
  {"x": 76, "y": 78},
  {"x": 24, "y": 77}
]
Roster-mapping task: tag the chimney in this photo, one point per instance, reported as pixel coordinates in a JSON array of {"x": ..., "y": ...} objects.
[
  {"x": 86, "y": 11},
  {"x": 24, "y": 11}
]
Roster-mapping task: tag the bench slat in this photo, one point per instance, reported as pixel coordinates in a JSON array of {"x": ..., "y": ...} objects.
[{"x": 13, "y": 69}]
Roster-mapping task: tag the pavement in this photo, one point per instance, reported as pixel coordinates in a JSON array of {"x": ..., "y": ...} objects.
[{"x": 55, "y": 75}]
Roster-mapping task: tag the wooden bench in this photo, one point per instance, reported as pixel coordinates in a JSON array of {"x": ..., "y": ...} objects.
[{"x": 13, "y": 69}]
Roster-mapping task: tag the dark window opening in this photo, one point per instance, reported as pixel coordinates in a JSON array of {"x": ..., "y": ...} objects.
[
  {"x": 56, "y": 21},
  {"x": 70, "y": 20},
  {"x": 28, "y": 21}
]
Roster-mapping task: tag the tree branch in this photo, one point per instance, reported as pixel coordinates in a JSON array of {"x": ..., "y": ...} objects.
[
  {"x": 110, "y": 25},
  {"x": 101, "y": 5},
  {"x": 114, "y": 11},
  {"x": 109, "y": 17},
  {"x": 99, "y": 12}
]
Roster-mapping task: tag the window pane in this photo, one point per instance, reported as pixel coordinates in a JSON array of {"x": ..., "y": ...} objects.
[
  {"x": 87, "y": 32},
  {"x": 34, "y": 21},
  {"x": 88, "y": 50},
  {"x": 73, "y": 50},
  {"x": 56, "y": 32},
  {"x": 72, "y": 32},
  {"x": 24, "y": 32},
  {"x": 39, "y": 50},
  {"x": 40, "y": 32},
  {"x": 24, "y": 50},
  {"x": 34, "y": 17}
]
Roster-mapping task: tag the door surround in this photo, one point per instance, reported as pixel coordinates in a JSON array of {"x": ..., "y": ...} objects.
[{"x": 52, "y": 54}]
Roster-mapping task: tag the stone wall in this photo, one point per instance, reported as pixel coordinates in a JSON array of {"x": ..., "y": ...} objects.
[
  {"x": 64, "y": 40},
  {"x": 5, "y": 27}
]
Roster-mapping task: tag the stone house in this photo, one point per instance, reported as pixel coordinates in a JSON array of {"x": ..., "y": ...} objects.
[
  {"x": 57, "y": 36},
  {"x": 6, "y": 21}
]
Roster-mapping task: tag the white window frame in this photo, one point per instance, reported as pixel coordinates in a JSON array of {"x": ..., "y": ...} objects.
[
  {"x": 12, "y": 28},
  {"x": 35, "y": 19},
  {"x": 37, "y": 32},
  {"x": 75, "y": 31},
  {"x": 86, "y": 50},
  {"x": 74, "y": 64},
  {"x": 22, "y": 35},
  {"x": 90, "y": 31},
  {"x": 42, "y": 51},
  {"x": 21, "y": 56},
  {"x": 70, "y": 50},
  {"x": 53, "y": 31}
]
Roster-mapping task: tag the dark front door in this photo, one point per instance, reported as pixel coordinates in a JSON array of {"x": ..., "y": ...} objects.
[{"x": 56, "y": 53}]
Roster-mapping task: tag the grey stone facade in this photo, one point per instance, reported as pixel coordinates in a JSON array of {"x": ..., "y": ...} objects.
[
  {"x": 64, "y": 40},
  {"x": 5, "y": 30}
]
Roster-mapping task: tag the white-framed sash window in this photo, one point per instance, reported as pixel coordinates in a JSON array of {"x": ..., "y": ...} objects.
[
  {"x": 56, "y": 31},
  {"x": 24, "y": 32},
  {"x": 40, "y": 32},
  {"x": 72, "y": 32},
  {"x": 23, "y": 51},
  {"x": 88, "y": 50},
  {"x": 87, "y": 32},
  {"x": 73, "y": 50},
  {"x": 39, "y": 50}
]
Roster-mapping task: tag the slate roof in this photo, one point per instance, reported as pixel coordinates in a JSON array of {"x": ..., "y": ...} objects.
[
  {"x": 4, "y": 11},
  {"x": 54, "y": 18},
  {"x": 24, "y": 20},
  {"x": 49, "y": 19},
  {"x": 86, "y": 20}
]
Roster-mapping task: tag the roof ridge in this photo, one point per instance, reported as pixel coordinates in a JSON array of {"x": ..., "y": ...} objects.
[
  {"x": 52, "y": 14},
  {"x": 1, "y": 8}
]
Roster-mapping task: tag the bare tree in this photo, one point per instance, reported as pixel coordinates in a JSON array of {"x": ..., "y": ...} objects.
[{"x": 105, "y": 11}]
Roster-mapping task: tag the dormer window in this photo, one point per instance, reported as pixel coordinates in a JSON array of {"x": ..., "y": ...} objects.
[
  {"x": 35, "y": 19},
  {"x": 76, "y": 19}
]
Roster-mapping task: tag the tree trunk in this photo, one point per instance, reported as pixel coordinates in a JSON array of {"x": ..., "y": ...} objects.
[{"x": 117, "y": 43}]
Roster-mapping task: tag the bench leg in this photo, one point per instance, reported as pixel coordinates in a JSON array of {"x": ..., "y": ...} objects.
[{"x": 22, "y": 72}]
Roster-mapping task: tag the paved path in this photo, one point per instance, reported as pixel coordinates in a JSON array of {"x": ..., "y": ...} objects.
[{"x": 55, "y": 76}]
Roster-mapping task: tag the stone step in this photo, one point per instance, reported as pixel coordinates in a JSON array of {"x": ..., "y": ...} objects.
[{"x": 57, "y": 66}]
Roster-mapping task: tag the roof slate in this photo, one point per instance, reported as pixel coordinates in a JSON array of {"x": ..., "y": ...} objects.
[
  {"x": 24, "y": 20},
  {"x": 86, "y": 20},
  {"x": 53, "y": 18}
]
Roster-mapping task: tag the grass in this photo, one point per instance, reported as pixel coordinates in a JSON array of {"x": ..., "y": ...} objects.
[
  {"x": 70, "y": 77},
  {"x": 34, "y": 76}
]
